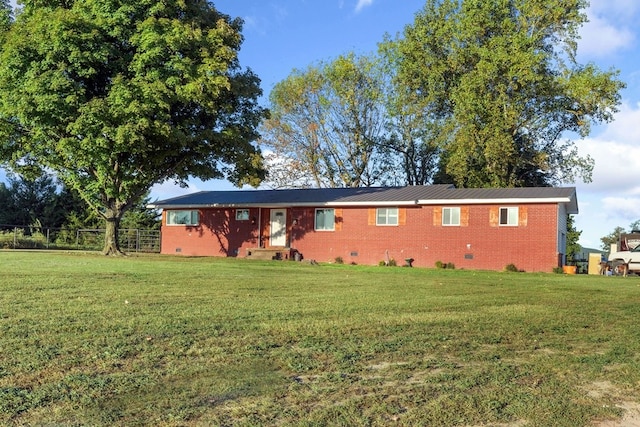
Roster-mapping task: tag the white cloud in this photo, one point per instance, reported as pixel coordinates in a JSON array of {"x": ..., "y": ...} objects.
[
  {"x": 362, "y": 4},
  {"x": 601, "y": 37},
  {"x": 613, "y": 198},
  {"x": 616, "y": 151},
  {"x": 626, "y": 209},
  {"x": 621, "y": 10}
]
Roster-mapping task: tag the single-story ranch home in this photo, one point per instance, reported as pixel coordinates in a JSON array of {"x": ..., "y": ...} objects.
[{"x": 482, "y": 228}]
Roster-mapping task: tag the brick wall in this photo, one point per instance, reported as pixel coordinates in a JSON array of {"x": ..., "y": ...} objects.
[{"x": 478, "y": 243}]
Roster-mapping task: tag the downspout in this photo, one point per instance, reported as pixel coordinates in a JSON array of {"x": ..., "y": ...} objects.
[{"x": 259, "y": 227}]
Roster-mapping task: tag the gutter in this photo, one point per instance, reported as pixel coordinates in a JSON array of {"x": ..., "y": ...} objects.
[{"x": 282, "y": 205}]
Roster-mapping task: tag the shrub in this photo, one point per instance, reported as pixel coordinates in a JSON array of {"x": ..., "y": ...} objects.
[
  {"x": 511, "y": 268},
  {"x": 450, "y": 265},
  {"x": 558, "y": 270},
  {"x": 339, "y": 260},
  {"x": 392, "y": 262}
]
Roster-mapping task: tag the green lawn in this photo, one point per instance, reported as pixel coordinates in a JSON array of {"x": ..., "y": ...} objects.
[{"x": 164, "y": 341}]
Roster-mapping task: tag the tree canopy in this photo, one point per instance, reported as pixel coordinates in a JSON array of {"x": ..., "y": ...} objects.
[
  {"x": 475, "y": 93},
  {"x": 325, "y": 124},
  {"x": 503, "y": 78},
  {"x": 115, "y": 96}
]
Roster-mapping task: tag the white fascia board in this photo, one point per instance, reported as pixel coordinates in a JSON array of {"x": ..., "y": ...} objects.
[
  {"x": 494, "y": 201},
  {"x": 286, "y": 205},
  {"x": 372, "y": 204}
]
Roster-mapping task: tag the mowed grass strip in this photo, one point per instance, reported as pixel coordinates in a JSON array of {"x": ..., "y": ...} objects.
[{"x": 167, "y": 341}]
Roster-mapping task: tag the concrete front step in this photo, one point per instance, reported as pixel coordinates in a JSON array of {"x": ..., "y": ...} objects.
[{"x": 268, "y": 253}]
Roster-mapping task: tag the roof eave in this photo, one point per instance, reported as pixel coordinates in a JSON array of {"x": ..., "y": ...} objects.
[
  {"x": 281, "y": 205},
  {"x": 505, "y": 201},
  {"x": 569, "y": 202}
]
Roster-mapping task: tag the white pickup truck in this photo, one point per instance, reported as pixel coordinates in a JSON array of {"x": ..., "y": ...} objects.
[{"x": 631, "y": 258}]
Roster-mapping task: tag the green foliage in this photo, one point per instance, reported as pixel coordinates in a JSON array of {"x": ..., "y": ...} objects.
[
  {"x": 26, "y": 201},
  {"x": 115, "y": 97},
  {"x": 511, "y": 268},
  {"x": 104, "y": 342},
  {"x": 611, "y": 238},
  {"x": 500, "y": 83},
  {"x": 573, "y": 235},
  {"x": 329, "y": 118},
  {"x": 558, "y": 270},
  {"x": 339, "y": 260},
  {"x": 447, "y": 265},
  {"x": 29, "y": 238},
  {"x": 6, "y": 17}
]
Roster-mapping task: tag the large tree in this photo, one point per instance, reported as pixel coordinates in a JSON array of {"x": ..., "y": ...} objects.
[
  {"x": 115, "y": 96},
  {"x": 501, "y": 78},
  {"x": 326, "y": 124},
  {"x": 414, "y": 134},
  {"x": 6, "y": 15}
]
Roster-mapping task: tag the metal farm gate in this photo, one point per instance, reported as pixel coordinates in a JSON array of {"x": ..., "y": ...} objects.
[{"x": 35, "y": 237}]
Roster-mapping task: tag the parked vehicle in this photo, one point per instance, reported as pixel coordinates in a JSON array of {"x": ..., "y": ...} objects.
[{"x": 627, "y": 257}]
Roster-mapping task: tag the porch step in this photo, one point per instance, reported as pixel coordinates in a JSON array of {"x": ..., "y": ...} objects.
[{"x": 268, "y": 253}]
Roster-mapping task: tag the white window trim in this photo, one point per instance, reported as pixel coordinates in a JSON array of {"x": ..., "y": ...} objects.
[
  {"x": 315, "y": 220},
  {"x": 240, "y": 217},
  {"x": 451, "y": 224},
  {"x": 397, "y": 217},
  {"x": 190, "y": 224},
  {"x": 509, "y": 209}
]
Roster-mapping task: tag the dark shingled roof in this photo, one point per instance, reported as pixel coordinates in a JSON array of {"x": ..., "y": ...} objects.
[{"x": 373, "y": 196}]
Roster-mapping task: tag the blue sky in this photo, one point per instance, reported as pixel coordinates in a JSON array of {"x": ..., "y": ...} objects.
[{"x": 282, "y": 35}]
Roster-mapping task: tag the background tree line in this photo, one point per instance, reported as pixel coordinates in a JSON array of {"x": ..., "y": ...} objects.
[
  {"x": 44, "y": 202},
  {"x": 475, "y": 93}
]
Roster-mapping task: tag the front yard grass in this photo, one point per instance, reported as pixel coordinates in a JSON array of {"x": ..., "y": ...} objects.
[{"x": 167, "y": 341}]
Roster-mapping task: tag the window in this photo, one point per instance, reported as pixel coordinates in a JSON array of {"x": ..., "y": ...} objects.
[
  {"x": 242, "y": 214},
  {"x": 325, "y": 219},
  {"x": 509, "y": 216},
  {"x": 182, "y": 218},
  {"x": 387, "y": 216},
  {"x": 450, "y": 216}
]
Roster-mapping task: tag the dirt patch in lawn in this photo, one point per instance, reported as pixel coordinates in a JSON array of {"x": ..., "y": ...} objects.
[{"x": 631, "y": 409}]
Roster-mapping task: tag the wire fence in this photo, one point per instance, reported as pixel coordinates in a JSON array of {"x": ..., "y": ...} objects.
[{"x": 34, "y": 237}]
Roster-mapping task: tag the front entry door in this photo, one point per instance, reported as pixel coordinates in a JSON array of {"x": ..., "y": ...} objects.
[{"x": 278, "y": 227}]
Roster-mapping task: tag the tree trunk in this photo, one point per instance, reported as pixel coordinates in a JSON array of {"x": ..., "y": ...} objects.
[{"x": 111, "y": 241}]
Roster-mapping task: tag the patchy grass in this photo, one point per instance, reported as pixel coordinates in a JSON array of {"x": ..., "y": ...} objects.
[{"x": 165, "y": 341}]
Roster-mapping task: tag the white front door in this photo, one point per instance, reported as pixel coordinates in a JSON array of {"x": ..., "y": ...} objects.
[{"x": 278, "y": 227}]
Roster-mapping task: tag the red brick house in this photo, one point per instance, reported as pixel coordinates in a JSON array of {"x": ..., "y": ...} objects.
[{"x": 471, "y": 228}]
